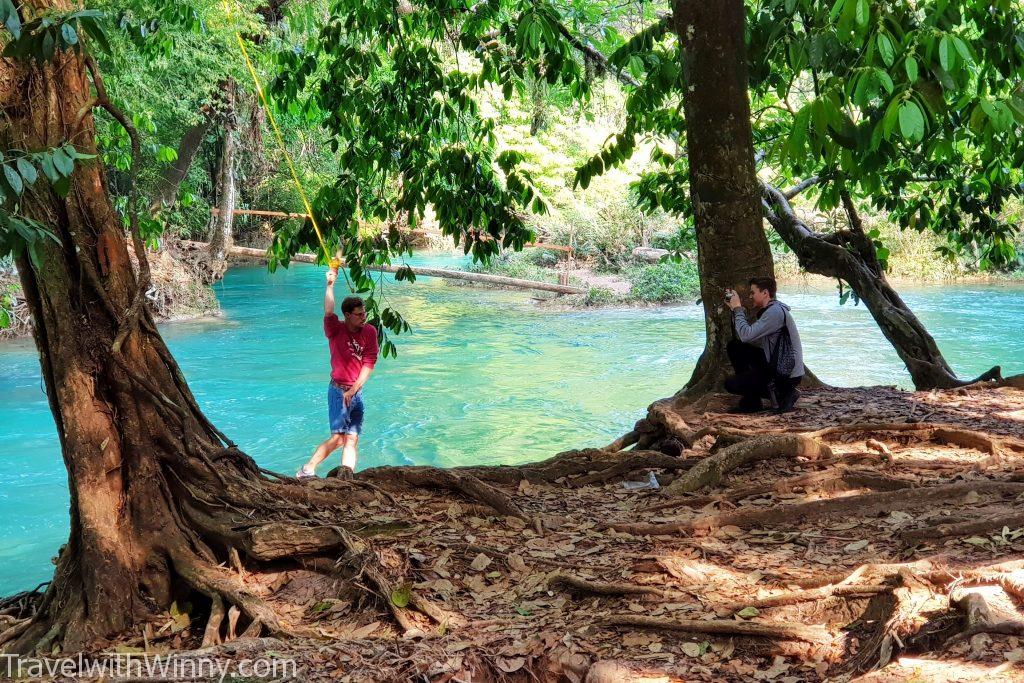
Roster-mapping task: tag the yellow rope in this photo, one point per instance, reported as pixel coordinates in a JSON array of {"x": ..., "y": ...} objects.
[{"x": 334, "y": 261}]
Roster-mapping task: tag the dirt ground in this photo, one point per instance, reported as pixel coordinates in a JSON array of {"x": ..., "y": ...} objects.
[{"x": 889, "y": 547}]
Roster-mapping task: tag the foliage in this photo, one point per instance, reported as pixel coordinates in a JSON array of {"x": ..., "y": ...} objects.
[
  {"x": 913, "y": 105},
  {"x": 664, "y": 281},
  {"x": 8, "y": 298},
  {"x": 522, "y": 265},
  {"x": 397, "y": 88},
  {"x": 19, "y": 171}
]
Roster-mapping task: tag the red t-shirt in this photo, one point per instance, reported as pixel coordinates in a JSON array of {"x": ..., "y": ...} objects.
[{"x": 350, "y": 351}]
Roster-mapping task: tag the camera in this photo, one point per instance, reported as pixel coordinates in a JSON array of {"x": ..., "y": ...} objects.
[{"x": 729, "y": 293}]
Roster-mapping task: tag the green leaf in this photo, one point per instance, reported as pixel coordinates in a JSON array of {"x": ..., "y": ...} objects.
[
  {"x": 9, "y": 15},
  {"x": 14, "y": 180},
  {"x": 27, "y": 171},
  {"x": 911, "y": 66},
  {"x": 63, "y": 163},
  {"x": 962, "y": 50},
  {"x": 911, "y": 121},
  {"x": 67, "y": 31},
  {"x": 947, "y": 53},
  {"x": 401, "y": 596},
  {"x": 863, "y": 13},
  {"x": 748, "y": 612},
  {"x": 886, "y": 49},
  {"x": 49, "y": 170}
]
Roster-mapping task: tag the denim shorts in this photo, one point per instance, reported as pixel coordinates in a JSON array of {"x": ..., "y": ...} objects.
[{"x": 344, "y": 419}]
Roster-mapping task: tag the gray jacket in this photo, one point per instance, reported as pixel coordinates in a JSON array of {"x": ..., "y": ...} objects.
[{"x": 764, "y": 332}]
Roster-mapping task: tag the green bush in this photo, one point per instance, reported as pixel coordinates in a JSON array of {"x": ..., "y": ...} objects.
[
  {"x": 599, "y": 296},
  {"x": 664, "y": 281}
]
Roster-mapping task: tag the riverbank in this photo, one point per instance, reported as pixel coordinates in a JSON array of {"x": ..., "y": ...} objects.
[
  {"x": 177, "y": 294},
  {"x": 867, "y": 547}
]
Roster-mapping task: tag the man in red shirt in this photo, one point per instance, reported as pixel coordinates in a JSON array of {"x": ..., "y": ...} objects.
[{"x": 353, "y": 346}]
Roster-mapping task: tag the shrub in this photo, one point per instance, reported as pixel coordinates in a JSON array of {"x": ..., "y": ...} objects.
[
  {"x": 599, "y": 296},
  {"x": 517, "y": 265},
  {"x": 664, "y": 281}
]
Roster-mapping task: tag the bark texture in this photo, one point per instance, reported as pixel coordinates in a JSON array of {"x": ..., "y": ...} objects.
[{"x": 726, "y": 196}]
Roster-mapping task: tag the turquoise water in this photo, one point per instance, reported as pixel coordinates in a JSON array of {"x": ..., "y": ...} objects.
[{"x": 485, "y": 377}]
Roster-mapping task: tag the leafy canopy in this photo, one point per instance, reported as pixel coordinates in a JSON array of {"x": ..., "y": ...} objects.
[{"x": 916, "y": 106}]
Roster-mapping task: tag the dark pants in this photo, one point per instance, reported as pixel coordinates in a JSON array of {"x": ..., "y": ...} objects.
[{"x": 752, "y": 376}]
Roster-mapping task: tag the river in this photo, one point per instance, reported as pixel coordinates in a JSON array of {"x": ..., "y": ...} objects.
[{"x": 484, "y": 377}]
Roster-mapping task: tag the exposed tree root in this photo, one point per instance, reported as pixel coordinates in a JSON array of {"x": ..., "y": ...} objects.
[
  {"x": 711, "y": 470},
  {"x": 633, "y": 461},
  {"x": 811, "y": 595},
  {"x": 211, "y": 636},
  {"x": 980, "y": 526},
  {"x": 818, "y": 635},
  {"x": 599, "y": 588},
  {"x": 631, "y": 437},
  {"x": 865, "y": 504},
  {"x": 949, "y": 434},
  {"x": 452, "y": 480},
  {"x": 214, "y": 583},
  {"x": 826, "y": 480},
  {"x": 978, "y": 618}
]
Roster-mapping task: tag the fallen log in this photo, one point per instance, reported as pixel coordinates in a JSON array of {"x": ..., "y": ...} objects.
[{"x": 483, "y": 278}]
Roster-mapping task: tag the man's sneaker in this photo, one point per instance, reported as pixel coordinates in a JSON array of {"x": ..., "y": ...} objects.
[
  {"x": 305, "y": 473},
  {"x": 788, "y": 401}
]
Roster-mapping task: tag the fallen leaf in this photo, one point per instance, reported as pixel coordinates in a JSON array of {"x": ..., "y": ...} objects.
[
  {"x": 856, "y": 545},
  {"x": 1014, "y": 655},
  {"x": 364, "y": 631},
  {"x": 633, "y": 639},
  {"x": 692, "y": 649},
  {"x": 401, "y": 596},
  {"x": 748, "y": 612},
  {"x": 511, "y": 664},
  {"x": 480, "y": 562},
  {"x": 972, "y": 497},
  {"x": 516, "y": 562}
]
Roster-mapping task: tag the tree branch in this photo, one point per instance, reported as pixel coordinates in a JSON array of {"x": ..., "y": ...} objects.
[{"x": 145, "y": 277}]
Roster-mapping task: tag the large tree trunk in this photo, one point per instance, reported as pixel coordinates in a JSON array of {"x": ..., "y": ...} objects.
[
  {"x": 726, "y": 196},
  {"x": 850, "y": 256},
  {"x": 149, "y": 477}
]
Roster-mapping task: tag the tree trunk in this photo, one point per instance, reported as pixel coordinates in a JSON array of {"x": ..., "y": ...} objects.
[
  {"x": 221, "y": 223},
  {"x": 170, "y": 180},
  {"x": 726, "y": 196},
  {"x": 149, "y": 477},
  {"x": 850, "y": 256}
]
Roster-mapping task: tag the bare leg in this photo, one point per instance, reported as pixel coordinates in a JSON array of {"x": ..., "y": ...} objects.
[
  {"x": 351, "y": 452},
  {"x": 325, "y": 449}
]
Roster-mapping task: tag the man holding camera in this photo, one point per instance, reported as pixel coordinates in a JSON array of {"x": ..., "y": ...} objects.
[{"x": 766, "y": 353}]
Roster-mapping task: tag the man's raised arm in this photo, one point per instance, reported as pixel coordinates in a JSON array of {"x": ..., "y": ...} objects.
[{"x": 332, "y": 275}]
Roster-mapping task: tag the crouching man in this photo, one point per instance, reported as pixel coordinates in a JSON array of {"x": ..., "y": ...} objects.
[{"x": 766, "y": 353}]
